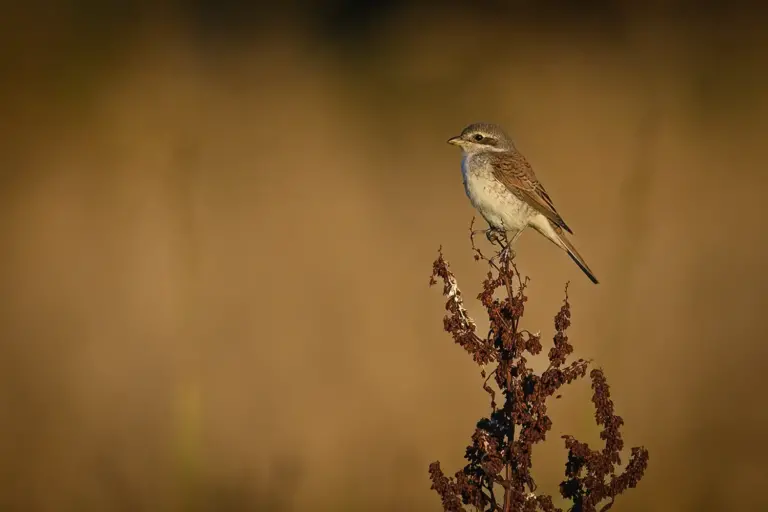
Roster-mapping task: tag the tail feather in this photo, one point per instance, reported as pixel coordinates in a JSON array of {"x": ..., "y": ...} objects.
[
  {"x": 566, "y": 244},
  {"x": 576, "y": 257}
]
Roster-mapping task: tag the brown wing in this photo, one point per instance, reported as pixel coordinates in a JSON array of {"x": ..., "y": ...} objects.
[{"x": 514, "y": 171}]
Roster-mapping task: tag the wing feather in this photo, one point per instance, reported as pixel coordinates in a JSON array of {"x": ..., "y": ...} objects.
[{"x": 513, "y": 170}]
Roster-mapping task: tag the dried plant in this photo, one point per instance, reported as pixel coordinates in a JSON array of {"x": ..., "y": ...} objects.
[{"x": 498, "y": 476}]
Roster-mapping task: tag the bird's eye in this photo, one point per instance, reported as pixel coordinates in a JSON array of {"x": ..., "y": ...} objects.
[{"x": 478, "y": 137}]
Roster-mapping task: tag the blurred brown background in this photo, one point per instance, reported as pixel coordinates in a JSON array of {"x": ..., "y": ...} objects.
[{"x": 217, "y": 222}]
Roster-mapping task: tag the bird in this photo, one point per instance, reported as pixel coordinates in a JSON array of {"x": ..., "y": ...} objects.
[{"x": 503, "y": 188}]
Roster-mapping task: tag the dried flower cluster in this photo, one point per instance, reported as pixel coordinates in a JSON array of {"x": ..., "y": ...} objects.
[{"x": 497, "y": 476}]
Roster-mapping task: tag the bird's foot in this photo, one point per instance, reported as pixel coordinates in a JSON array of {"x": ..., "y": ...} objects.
[
  {"x": 493, "y": 235},
  {"x": 496, "y": 236}
]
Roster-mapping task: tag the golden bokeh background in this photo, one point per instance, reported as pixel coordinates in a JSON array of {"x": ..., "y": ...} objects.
[{"x": 217, "y": 224}]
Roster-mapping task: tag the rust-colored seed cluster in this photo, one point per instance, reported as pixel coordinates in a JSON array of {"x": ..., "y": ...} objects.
[{"x": 497, "y": 476}]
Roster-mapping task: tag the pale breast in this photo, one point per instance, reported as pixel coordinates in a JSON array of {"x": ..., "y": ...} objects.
[{"x": 491, "y": 198}]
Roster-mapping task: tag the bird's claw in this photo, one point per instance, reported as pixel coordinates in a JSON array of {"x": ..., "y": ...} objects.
[
  {"x": 492, "y": 234},
  {"x": 495, "y": 236},
  {"x": 498, "y": 237}
]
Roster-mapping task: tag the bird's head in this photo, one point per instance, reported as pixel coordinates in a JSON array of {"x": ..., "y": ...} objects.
[{"x": 479, "y": 137}]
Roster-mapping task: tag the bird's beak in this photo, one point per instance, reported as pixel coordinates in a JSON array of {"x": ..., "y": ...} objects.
[{"x": 454, "y": 141}]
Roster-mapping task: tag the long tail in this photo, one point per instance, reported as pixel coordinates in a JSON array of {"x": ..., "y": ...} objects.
[{"x": 560, "y": 239}]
